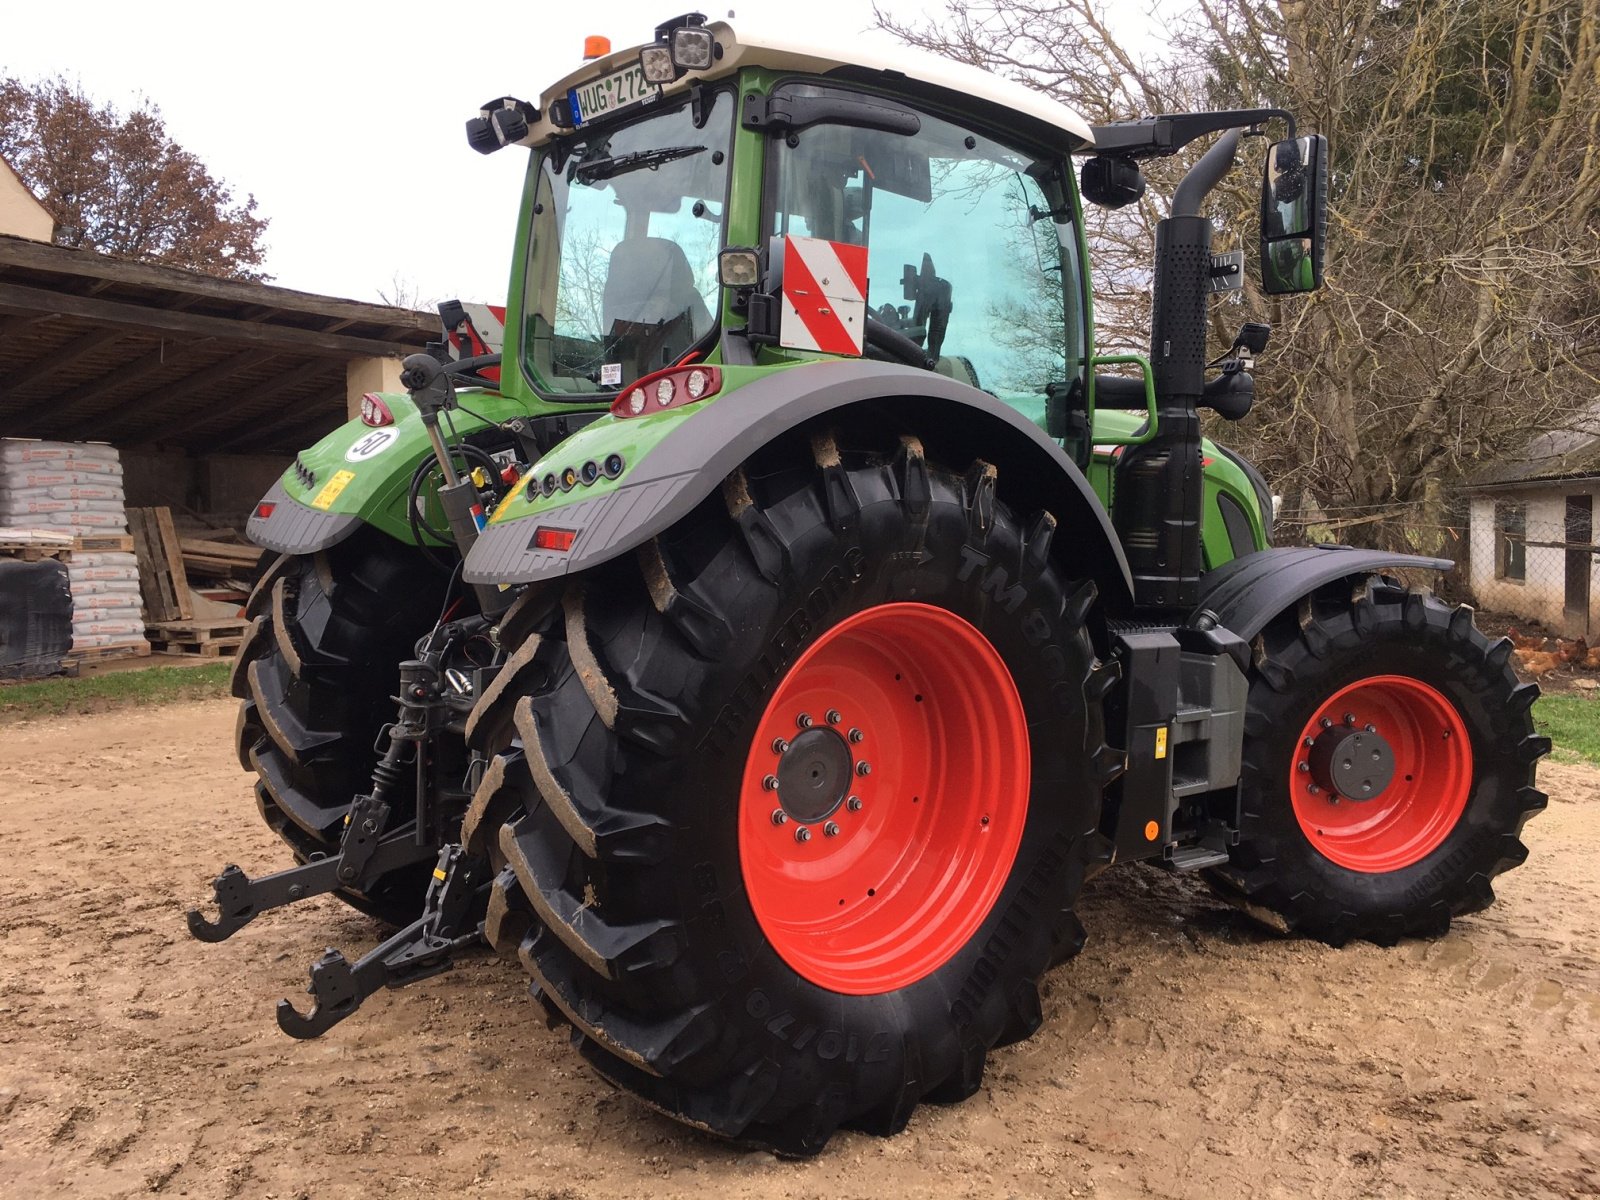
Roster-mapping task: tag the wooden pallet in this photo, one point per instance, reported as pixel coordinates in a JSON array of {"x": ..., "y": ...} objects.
[
  {"x": 99, "y": 543},
  {"x": 162, "y": 583},
  {"x": 32, "y": 552},
  {"x": 208, "y": 639},
  {"x": 98, "y": 654}
]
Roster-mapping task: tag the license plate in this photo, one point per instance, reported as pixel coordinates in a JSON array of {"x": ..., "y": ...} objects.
[{"x": 608, "y": 94}]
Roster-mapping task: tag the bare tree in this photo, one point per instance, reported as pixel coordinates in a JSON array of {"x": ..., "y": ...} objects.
[
  {"x": 118, "y": 184},
  {"x": 1463, "y": 296}
]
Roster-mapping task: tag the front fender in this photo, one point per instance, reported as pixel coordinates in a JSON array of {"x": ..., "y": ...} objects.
[
  {"x": 1245, "y": 594},
  {"x": 669, "y": 477}
]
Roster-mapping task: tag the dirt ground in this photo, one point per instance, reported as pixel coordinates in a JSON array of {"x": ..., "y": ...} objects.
[{"x": 1185, "y": 1053}]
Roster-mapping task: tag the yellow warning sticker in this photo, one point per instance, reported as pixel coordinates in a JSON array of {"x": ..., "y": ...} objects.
[
  {"x": 1161, "y": 742},
  {"x": 330, "y": 490},
  {"x": 438, "y": 874}
]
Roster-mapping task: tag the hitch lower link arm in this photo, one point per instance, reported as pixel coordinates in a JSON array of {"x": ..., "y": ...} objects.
[
  {"x": 420, "y": 950},
  {"x": 363, "y": 857}
]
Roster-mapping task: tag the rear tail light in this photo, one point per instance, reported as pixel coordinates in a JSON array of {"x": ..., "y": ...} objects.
[
  {"x": 265, "y": 509},
  {"x": 674, "y": 387},
  {"x": 374, "y": 411},
  {"x": 545, "y": 538}
]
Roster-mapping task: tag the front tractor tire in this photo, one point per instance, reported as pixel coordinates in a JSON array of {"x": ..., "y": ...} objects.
[
  {"x": 1388, "y": 768},
  {"x": 793, "y": 808},
  {"x": 315, "y": 678}
]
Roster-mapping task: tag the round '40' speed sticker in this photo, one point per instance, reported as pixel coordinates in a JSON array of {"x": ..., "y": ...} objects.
[{"x": 372, "y": 444}]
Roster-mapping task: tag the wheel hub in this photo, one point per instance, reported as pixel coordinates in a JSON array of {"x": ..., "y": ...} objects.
[
  {"x": 1356, "y": 764},
  {"x": 814, "y": 775}
]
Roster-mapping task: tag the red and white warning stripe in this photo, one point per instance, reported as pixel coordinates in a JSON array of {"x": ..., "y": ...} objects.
[
  {"x": 483, "y": 332},
  {"x": 824, "y": 295}
]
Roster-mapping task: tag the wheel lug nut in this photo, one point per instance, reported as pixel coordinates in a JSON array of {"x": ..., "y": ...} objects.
[
  {"x": 863, "y": 768},
  {"x": 803, "y": 721},
  {"x": 779, "y": 746},
  {"x": 1315, "y": 790},
  {"x": 1305, "y": 766},
  {"x": 1349, "y": 718},
  {"x": 834, "y": 716},
  {"x": 1371, "y": 728},
  {"x": 1325, "y": 723},
  {"x": 853, "y": 804},
  {"x": 779, "y": 816},
  {"x": 830, "y": 829},
  {"x": 802, "y": 834},
  {"x": 1309, "y": 742},
  {"x": 770, "y": 783}
]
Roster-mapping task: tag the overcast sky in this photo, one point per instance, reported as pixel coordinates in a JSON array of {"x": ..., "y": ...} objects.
[{"x": 345, "y": 120}]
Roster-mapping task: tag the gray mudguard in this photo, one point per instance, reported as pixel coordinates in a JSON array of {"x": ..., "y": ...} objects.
[
  {"x": 1246, "y": 593},
  {"x": 292, "y": 528},
  {"x": 692, "y": 461}
]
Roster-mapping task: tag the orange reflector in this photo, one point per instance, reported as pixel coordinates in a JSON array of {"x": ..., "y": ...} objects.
[
  {"x": 554, "y": 539},
  {"x": 1151, "y": 831},
  {"x": 596, "y": 46},
  {"x": 264, "y": 509}
]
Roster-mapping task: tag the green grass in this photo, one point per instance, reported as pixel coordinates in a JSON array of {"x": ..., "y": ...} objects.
[
  {"x": 122, "y": 689},
  {"x": 1573, "y": 724}
]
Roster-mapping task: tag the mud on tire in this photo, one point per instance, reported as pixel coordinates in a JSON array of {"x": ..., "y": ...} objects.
[
  {"x": 314, "y": 676},
  {"x": 1365, "y": 879},
  {"x": 619, "y": 743}
]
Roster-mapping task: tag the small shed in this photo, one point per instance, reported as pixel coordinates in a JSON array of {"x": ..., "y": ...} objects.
[{"x": 1532, "y": 523}]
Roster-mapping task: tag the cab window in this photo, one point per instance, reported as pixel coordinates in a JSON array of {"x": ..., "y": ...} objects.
[{"x": 971, "y": 249}]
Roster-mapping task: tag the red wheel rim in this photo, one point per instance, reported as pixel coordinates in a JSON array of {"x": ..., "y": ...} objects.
[
  {"x": 1412, "y": 815},
  {"x": 867, "y": 882}
]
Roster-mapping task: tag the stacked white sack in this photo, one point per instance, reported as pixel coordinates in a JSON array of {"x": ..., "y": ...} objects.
[{"x": 75, "y": 487}]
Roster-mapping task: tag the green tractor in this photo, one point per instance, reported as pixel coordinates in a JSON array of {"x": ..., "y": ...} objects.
[{"x": 807, "y": 609}]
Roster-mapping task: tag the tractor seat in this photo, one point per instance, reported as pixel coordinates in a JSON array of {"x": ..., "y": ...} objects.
[{"x": 649, "y": 282}]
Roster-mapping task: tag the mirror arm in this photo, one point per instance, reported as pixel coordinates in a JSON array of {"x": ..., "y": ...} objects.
[{"x": 1152, "y": 137}]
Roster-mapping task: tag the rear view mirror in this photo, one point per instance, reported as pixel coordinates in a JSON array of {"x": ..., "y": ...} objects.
[{"x": 1294, "y": 215}]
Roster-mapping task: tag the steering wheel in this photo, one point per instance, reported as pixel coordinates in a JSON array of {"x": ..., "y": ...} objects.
[{"x": 893, "y": 344}]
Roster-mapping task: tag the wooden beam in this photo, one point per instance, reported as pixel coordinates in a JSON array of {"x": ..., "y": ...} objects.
[
  {"x": 73, "y": 404},
  {"x": 233, "y": 408},
  {"x": 61, "y": 260},
  {"x": 307, "y": 414},
  {"x": 14, "y": 298},
  {"x": 54, "y": 360},
  {"x": 139, "y": 408}
]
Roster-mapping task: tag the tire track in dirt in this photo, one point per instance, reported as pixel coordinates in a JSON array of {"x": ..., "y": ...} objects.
[{"x": 1185, "y": 1053}]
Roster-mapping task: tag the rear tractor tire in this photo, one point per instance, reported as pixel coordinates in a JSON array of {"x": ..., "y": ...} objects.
[
  {"x": 797, "y": 803},
  {"x": 1388, "y": 768},
  {"x": 315, "y": 677}
]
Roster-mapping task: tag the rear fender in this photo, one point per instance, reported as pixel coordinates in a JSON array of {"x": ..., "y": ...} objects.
[
  {"x": 359, "y": 475},
  {"x": 1245, "y": 594},
  {"x": 665, "y": 480}
]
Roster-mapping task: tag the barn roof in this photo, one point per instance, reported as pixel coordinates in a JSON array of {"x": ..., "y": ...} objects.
[
  {"x": 96, "y": 347},
  {"x": 1571, "y": 452}
]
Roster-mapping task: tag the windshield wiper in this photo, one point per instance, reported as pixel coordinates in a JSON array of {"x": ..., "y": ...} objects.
[{"x": 607, "y": 168}]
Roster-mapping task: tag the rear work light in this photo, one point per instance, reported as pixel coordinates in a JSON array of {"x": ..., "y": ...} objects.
[
  {"x": 374, "y": 411},
  {"x": 671, "y": 388},
  {"x": 265, "y": 509},
  {"x": 546, "y": 538}
]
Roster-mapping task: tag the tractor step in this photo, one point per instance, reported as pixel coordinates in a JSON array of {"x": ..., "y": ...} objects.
[
  {"x": 421, "y": 950},
  {"x": 1195, "y": 858}
]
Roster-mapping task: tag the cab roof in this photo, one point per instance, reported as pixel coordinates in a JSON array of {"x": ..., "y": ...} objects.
[{"x": 859, "y": 59}]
